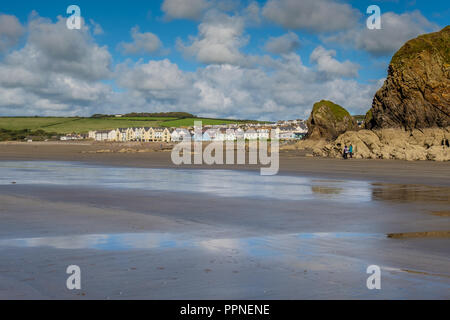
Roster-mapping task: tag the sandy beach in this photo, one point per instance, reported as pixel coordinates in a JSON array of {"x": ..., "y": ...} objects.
[
  {"x": 422, "y": 172},
  {"x": 308, "y": 233},
  {"x": 188, "y": 153}
]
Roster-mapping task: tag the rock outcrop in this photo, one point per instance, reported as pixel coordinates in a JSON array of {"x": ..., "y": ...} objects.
[
  {"x": 416, "y": 93},
  {"x": 328, "y": 120},
  {"x": 426, "y": 144}
]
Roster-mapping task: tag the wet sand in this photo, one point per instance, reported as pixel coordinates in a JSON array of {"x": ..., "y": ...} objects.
[
  {"x": 135, "y": 243},
  {"x": 182, "y": 246},
  {"x": 292, "y": 163}
]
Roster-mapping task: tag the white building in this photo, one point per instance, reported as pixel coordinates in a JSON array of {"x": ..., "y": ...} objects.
[
  {"x": 101, "y": 135},
  {"x": 250, "y": 134},
  {"x": 112, "y": 135},
  {"x": 180, "y": 134}
]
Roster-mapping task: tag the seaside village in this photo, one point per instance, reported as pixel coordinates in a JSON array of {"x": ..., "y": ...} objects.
[{"x": 284, "y": 130}]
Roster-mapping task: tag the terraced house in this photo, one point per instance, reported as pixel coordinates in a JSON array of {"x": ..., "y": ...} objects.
[
  {"x": 161, "y": 135},
  {"x": 291, "y": 131},
  {"x": 147, "y": 134}
]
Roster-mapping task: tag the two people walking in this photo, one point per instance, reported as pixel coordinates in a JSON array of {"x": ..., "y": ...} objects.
[{"x": 348, "y": 151}]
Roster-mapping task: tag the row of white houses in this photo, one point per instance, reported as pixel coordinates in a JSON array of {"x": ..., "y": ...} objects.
[
  {"x": 133, "y": 134},
  {"x": 178, "y": 134}
]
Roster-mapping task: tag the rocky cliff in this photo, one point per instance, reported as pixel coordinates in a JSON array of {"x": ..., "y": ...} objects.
[
  {"x": 416, "y": 93},
  {"x": 423, "y": 144},
  {"x": 328, "y": 120}
]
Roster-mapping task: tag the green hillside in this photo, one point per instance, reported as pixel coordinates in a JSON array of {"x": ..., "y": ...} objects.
[{"x": 84, "y": 125}]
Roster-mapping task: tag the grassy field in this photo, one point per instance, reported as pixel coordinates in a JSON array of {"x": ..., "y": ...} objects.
[
  {"x": 31, "y": 123},
  {"x": 83, "y": 125},
  {"x": 144, "y": 118}
]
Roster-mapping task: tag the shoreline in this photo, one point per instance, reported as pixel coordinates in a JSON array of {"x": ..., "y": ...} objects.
[{"x": 291, "y": 162}]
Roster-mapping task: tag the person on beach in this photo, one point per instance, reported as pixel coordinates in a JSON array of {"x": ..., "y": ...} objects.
[
  {"x": 350, "y": 151},
  {"x": 345, "y": 152}
]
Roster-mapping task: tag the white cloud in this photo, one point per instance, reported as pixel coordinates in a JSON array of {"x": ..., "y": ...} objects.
[
  {"x": 277, "y": 88},
  {"x": 182, "y": 9},
  {"x": 142, "y": 43},
  {"x": 97, "y": 28},
  {"x": 329, "y": 66},
  {"x": 51, "y": 47},
  {"x": 10, "y": 31},
  {"x": 396, "y": 30},
  {"x": 56, "y": 72},
  {"x": 283, "y": 44},
  {"x": 152, "y": 77},
  {"x": 252, "y": 13},
  {"x": 219, "y": 40},
  {"x": 63, "y": 72},
  {"x": 311, "y": 15}
]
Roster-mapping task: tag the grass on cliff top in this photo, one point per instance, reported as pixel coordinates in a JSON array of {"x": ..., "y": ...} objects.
[
  {"x": 437, "y": 41},
  {"x": 338, "y": 111}
]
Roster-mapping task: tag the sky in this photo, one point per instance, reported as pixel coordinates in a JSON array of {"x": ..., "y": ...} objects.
[{"x": 241, "y": 59}]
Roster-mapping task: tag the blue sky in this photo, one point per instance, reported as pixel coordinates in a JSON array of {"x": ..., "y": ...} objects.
[{"x": 232, "y": 58}]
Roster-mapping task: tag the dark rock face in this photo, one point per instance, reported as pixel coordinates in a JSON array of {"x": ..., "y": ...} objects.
[
  {"x": 328, "y": 120},
  {"x": 416, "y": 93}
]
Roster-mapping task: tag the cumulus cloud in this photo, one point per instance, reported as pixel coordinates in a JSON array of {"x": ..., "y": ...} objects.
[
  {"x": 159, "y": 79},
  {"x": 219, "y": 39},
  {"x": 56, "y": 72},
  {"x": 97, "y": 28},
  {"x": 10, "y": 31},
  {"x": 287, "y": 91},
  {"x": 63, "y": 72},
  {"x": 283, "y": 44},
  {"x": 396, "y": 30},
  {"x": 53, "y": 47},
  {"x": 278, "y": 88},
  {"x": 182, "y": 9},
  {"x": 329, "y": 66},
  {"x": 252, "y": 13},
  {"x": 311, "y": 15},
  {"x": 146, "y": 42}
]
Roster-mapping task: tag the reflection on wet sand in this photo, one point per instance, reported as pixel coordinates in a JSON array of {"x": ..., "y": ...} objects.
[
  {"x": 428, "y": 234},
  {"x": 415, "y": 272},
  {"x": 410, "y": 193},
  {"x": 129, "y": 241},
  {"x": 218, "y": 234},
  {"x": 223, "y": 183},
  {"x": 326, "y": 190},
  {"x": 441, "y": 213},
  {"x": 112, "y": 242}
]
